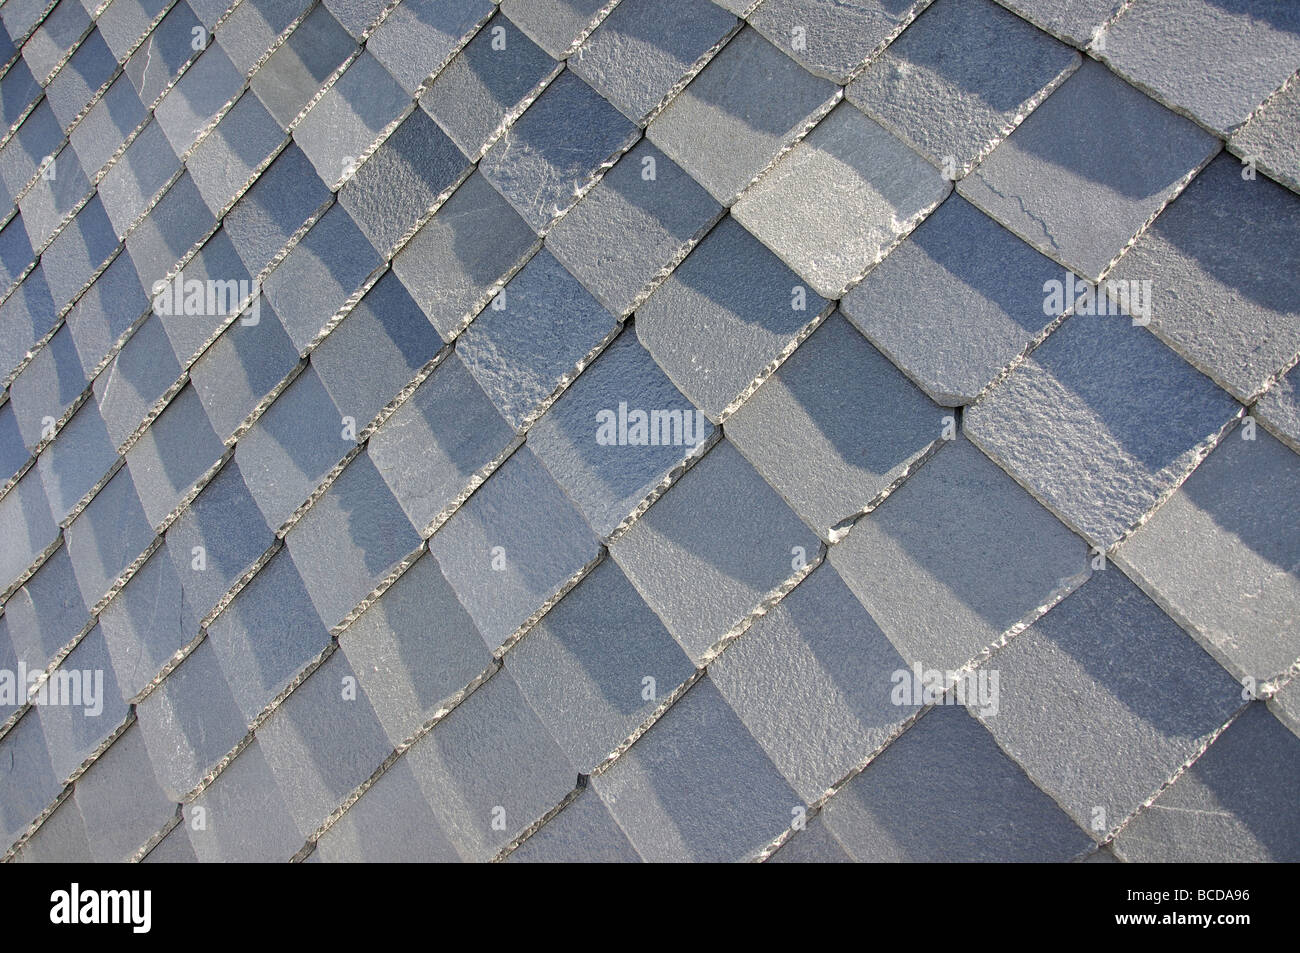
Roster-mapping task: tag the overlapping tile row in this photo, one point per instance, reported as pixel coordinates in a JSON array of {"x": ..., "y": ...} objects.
[{"x": 615, "y": 415}]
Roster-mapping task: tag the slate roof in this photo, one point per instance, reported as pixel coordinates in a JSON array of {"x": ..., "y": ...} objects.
[{"x": 624, "y": 402}]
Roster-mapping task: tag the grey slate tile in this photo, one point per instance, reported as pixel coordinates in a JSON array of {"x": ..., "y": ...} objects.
[
  {"x": 308, "y": 287},
  {"x": 402, "y": 180},
  {"x": 80, "y": 457},
  {"x": 555, "y": 25},
  {"x": 244, "y": 815},
  {"x": 724, "y": 316},
  {"x": 91, "y": 66},
  {"x": 61, "y": 839},
  {"x": 175, "y": 848},
  {"x": 833, "y": 37},
  {"x": 147, "y": 623},
  {"x": 597, "y": 666},
  {"x": 18, "y": 90},
  {"x": 1269, "y": 138},
  {"x": 13, "y": 453},
  {"x": 163, "y": 54},
  {"x": 812, "y": 681},
  {"x": 217, "y": 262},
  {"x": 955, "y": 303},
  {"x": 1077, "y": 22},
  {"x": 296, "y": 70},
  {"x": 1234, "y": 804},
  {"x": 391, "y": 823},
  {"x": 1212, "y": 556},
  {"x": 697, "y": 787},
  {"x": 926, "y": 798},
  {"x": 322, "y": 742},
  {"x": 456, "y": 262},
  {"x": 108, "y": 536},
  {"x": 344, "y": 122},
  {"x": 489, "y": 770},
  {"x": 101, "y": 131},
  {"x": 960, "y": 80},
  {"x": 205, "y": 88},
  {"x": 1279, "y": 409},
  {"x": 39, "y": 136},
  {"x": 82, "y": 248},
  {"x": 1078, "y": 204},
  {"x": 1211, "y": 301},
  {"x": 414, "y": 649},
  {"x": 9, "y": 703},
  {"x": 746, "y": 106},
  {"x": 438, "y": 442},
  {"x": 578, "y": 440},
  {"x": 125, "y": 22},
  {"x": 22, "y": 17},
  {"x": 1151, "y": 45},
  {"x": 267, "y": 635},
  {"x": 355, "y": 15},
  {"x": 349, "y": 540},
  {"x": 46, "y": 613},
  {"x": 584, "y": 832},
  {"x": 135, "y": 379},
  {"x": 279, "y": 202},
  {"x": 178, "y": 448},
  {"x": 54, "y": 195},
  {"x": 28, "y": 528},
  {"x": 712, "y": 549},
  {"x": 418, "y": 37},
  {"x": 27, "y": 784},
  {"x": 47, "y": 387},
  {"x": 814, "y": 845},
  {"x": 137, "y": 178},
  {"x": 636, "y": 224},
  {"x": 835, "y": 426},
  {"x": 1105, "y": 678},
  {"x": 15, "y": 251},
  {"x": 107, "y": 311},
  {"x": 58, "y": 33},
  {"x": 85, "y": 705},
  {"x": 26, "y": 316},
  {"x": 474, "y": 94},
  {"x": 533, "y": 337},
  {"x": 190, "y": 722},
  {"x": 225, "y": 159},
  {"x": 644, "y": 49},
  {"x": 944, "y": 590},
  {"x": 172, "y": 228},
  {"x": 1099, "y": 423},
  {"x": 520, "y": 521},
  {"x": 1285, "y": 706},
  {"x": 547, "y": 158},
  {"x": 253, "y": 26}
]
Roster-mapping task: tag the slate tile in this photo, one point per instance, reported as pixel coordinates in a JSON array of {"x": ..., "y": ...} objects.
[
  {"x": 489, "y": 770},
  {"x": 296, "y": 70},
  {"x": 11, "y": 699},
  {"x": 26, "y": 316},
  {"x": 355, "y": 15},
  {"x": 835, "y": 426},
  {"x": 102, "y": 130},
  {"x": 218, "y": 272},
  {"x": 713, "y": 549},
  {"x": 224, "y": 160},
  {"x": 956, "y": 302},
  {"x": 944, "y": 590},
  {"x": 1078, "y": 204},
  {"x": 189, "y": 723},
  {"x": 1285, "y": 706},
  {"x": 419, "y": 36},
  {"x": 1270, "y": 136},
  {"x": 632, "y": 228},
  {"x": 28, "y": 528},
  {"x": 1077, "y": 22},
  {"x": 609, "y": 477},
  {"x": 253, "y": 26},
  {"x": 391, "y": 823},
  {"x": 13, "y": 453},
  {"x": 15, "y": 251},
  {"x": 18, "y": 90},
  {"x": 38, "y": 137},
  {"x": 1234, "y": 804},
  {"x": 643, "y": 50},
  {"x": 746, "y": 106},
  {"x": 147, "y": 622},
  {"x": 209, "y": 11},
  {"x": 137, "y": 178},
  {"x": 81, "y": 249},
  {"x": 61, "y": 839},
  {"x": 1106, "y": 678},
  {"x": 554, "y": 25},
  {"x": 814, "y": 845},
  {"x": 1099, "y": 423},
  {"x": 697, "y": 787},
  {"x": 46, "y": 614},
  {"x": 55, "y": 194},
  {"x": 108, "y": 536},
  {"x": 724, "y": 317},
  {"x": 58, "y": 33},
  {"x": 584, "y": 832},
  {"x": 1153, "y": 45},
  {"x": 135, "y": 379},
  {"x": 170, "y": 457},
  {"x": 47, "y": 387},
  {"x": 110, "y": 307},
  {"x": 402, "y": 180},
  {"x": 456, "y": 262},
  {"x": 309, "y": 286},
  {"x": 1213, "y": 558},
  {"x": 90, "y": 68},
  {"x": 197, "y": 98},
  {"x": 267, "y": 635},
  {"x": 80, "y": 706},
  {"x": 485, "y": 83},
  {"x": 960, "y": 80},
  {"x": 322, "y": 742},
  {"x": 164, "y": 53},
  {"x": 544, "y": 161},
  {"x": 244, "y": 814},
  {"x": 349, "y": 117},
  {"x": 812, "y": 682},
  {"x": 283, "y": 198},
  {"x": 926, "y": 798},
  {"x": 832, "y": 38},
  {"x": 414, "y": 649},
  {"x": 597, "y": 666},
  {"x": 80, "y": 457},
  {"x": 519, "y": 521},
  {"x": 546, "y": 328},
  {"x": 1211, "y": 301},
  {"x": 27, "y": 784},
  {"x": 124, "y": 23},
  {"x": 173, "y": 227},
  {"x": 175, "y": 848},
  {"x": 439, "y": 442},
  {"x": 1279, "y": 410}
]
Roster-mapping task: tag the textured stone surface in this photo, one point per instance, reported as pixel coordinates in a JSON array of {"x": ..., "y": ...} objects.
[
  {"x": 275, "y": 207},
  {"x": 137, "y": 178},
  {"x": 29, "y": 528},
  {"x": 170, "y": 231},
  {"x": 47, "y": 387},
  {"x": 391, "y": 823},
  {"x": 1075, "y": 21},
  {"x": 46, "y": 614},
  {"x": 833, "y": 37},
  {"x": 1076, "y": 203},
  {"x": 119, "y": 800},
  {"x": 107, "y": 536},
  {"x": 584, "y": 832},
  {"x": 814, "y": 845},
  {"x": 245, "y": 815},
  {"x": 297, "y": 69},
  {"x": 1270, "y": 137},
  {"x": 172, "y": 455},
  {"x": 419, "y": 36},
  {"x": 206, "y": 87},
  {"x": 1279, "y": 409},
  {"x": 72, "y": 465},
  {"x": 27, "y": 785},
  {"x": 136, "y": 379},
  {"x": 86, "y": 706},
  {"x": 555, "y": 25},
  {"x": 225, "y": 159},
  {"x": 147, "y": 623}
]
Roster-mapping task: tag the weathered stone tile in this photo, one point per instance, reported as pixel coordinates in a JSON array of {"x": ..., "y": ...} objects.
[
  {"x": 1078, "y": 204},
  {"x": 26, "y": 316},
  {"x": 245, "y": 819},
  {"x": 1100, "y": 423},
  {"x": 58, "y": 33},
  {"x": 419, "y": 36},
  {"x": 39, "y": 137},
  {"x": 555, "y": 25},
  {"x": 297, "y": 70},
  {"x": 125, "y": 22},
  {"x": 46, "y": 613},
  {"x": 18, "y": 90},
  {"x": 80, "y": 457},
  {"x": 1077, "y": 22},
  {"x": 597, "y": 666},
  {"x": 80, "y": 705},
  {"x": 211, "y": 288},
  {"x": 137, "y": 178},
  {"x": 1285, "y": 706},
  {"x": 55, "y": 194},
  {"x": 1270, "y": 138},
  {"x": 734, "y": 118},
  {"x": 190, "y": 105},
  {"x": 28, "y": 528},
  {"x": 108, "y": 536},
  {"x": 813, "y": 845},
  {"x": 136, "y": 379},
  {"x": 254, "y": 25},
  {"x": 584, "y": 832},
  {"x": 512, "y": 546},
  {"x": 175, "y": 848},
  {"x": 27, "y": 784},
  {"x": 13, "y": 453},
  {"x": 163, "y": 54},
  {"x": 391, "y": 823},
  {"x": 107, "y": 311},
  {"x": 147, "y": 623},
  {"x": 47, "y": 387},
  {"x": 943, "y": 590},
  {"x": 1279, "y": 409},
  {"x": 834, "y": 37},
  {"x": 173, "y": 227},
  {"x": 287, "y": 194},
  {"x": 90, "y": 68},
  {"x": 1105, "y": 678},
  {"x": 225, "y": 159},
  {"x": 177, "y": 449},
  {"x": 835, "y": 426},
  {"x": 713, "y": 549},
  {"x": 15, "y": 249},
  {"x": 78, "y": 252},
  {"x": 61, "y": 839},
  {"x": 355, "y": 16},
  {"x": 101, "y": 131}
]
